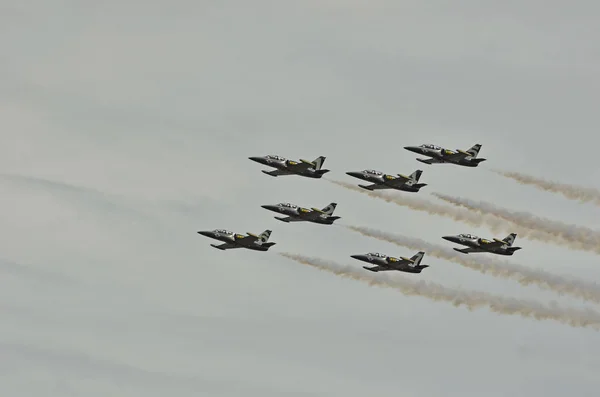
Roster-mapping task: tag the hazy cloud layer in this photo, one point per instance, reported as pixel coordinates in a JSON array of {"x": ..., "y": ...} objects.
[{"x": 127, "y": 127}]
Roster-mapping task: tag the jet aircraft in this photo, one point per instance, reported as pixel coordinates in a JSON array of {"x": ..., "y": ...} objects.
[
  {"x": 477, "y": 244},
  {"x": 383, "y": 262},
  {"x": 234, "y": 240},
  {"x": 385, "y": 181},
  {"x": 309, "y": 169},
  {"x": 297, "y": 214},
  {"x": 439, "y": 155}
]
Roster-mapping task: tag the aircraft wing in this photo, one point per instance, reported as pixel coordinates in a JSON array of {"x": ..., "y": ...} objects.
[
  {"x": 278, "y": 172},
  {"x": 377, "y": 268},
  {"x": 468, "y": 250},
  {"x": 431, "y": 161},
  {"x": 459, "y": 155},
  {"x": 225, "y": 246},
  {"x": 288, "y": 219},
  {"x": 400, "y": 262},
  {"x": 301, "y": 166},
  {"x": 306, "y": 214},
  {"x": 399, "y": 181},
  {"x": 493, "y": 244},
  {"x": 249, "y": 238},
  {"x": 401, "y": 178},
  {"x": 375, "y": 186}
]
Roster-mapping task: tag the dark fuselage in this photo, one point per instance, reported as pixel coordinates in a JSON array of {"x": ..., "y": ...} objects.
[
  {"x": 237, "y": 239},
  {"x": 388, "y": 263},
  {"x": 480, "y": 245},
  {"x": 444, "y": 156},
  {"x": 290, "y": 166},
  {"x": 388, "y": 181},
  {"x": 301, "y": 214}
]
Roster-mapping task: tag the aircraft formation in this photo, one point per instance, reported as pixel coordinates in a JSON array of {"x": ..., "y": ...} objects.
[{"x": 378, "y": 181}]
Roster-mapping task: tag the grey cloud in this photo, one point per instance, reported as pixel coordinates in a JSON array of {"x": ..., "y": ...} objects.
[{"x": 152, "y": 110}]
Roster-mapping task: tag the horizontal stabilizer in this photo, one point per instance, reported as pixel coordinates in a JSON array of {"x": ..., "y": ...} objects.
[
  {"x": 308, "y": 162},
  {"x": 407, "y": 259},
  {"x": 317, "y": 210},
  {"x": 463, "y": 152},
  {"x": 499, "y": 241},
  {"x": 403, "y": 176},
  {"x": 251, "y": 234}
]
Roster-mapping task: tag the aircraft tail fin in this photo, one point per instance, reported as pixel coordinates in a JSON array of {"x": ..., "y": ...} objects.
[
  {"x": 264, "y": 236},
  {"x": 510, "y": 239},
  {"x": 417, "y": 258},
  {"x": 415, "y": 176},
  {"x": 319, "y": 162},
  {"x": 474, "y": 150},
  {"x": 329, "y": 209}
]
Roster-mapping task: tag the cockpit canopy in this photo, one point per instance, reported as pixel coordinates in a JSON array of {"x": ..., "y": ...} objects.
[
  {"x": 373, "y": 172},
  {"x": 275, "y": 157},
  {"x": 471, "y": 236},
  {"x": 288, "y": 205},
  {"x": 377, "y": 254},
  {"x": 223, "y": 231},
  {"x": 429, "y": 146}
]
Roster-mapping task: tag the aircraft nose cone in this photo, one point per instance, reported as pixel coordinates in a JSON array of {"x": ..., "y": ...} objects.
[
  {"x": 412, "y": 149},
  {"x": 204, "y": 233},
  {"x": 450, "y": 238},
  {"x": 257, "y": 159},
  {"x": 269, "y": 207},
  {"x": 354, "y": 174},
  {"x": 359, "y": 257}
]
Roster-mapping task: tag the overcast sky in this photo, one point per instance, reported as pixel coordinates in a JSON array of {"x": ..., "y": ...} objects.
[{"x": 127, "y": 126}]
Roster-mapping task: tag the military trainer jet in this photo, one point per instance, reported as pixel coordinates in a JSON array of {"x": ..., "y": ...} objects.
[
  {"x": 309, "y": 169},
  {"x": 234, "y": 240},
  {"x": 477, "y": 244},
  {"x": 383, "y": 262},
  {"x": 297, "y": 214},
  {"x": 440, "y": 155},
  {"x": 385, "y": 181}
]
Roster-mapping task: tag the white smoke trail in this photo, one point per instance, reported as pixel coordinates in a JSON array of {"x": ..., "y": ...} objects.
[
  {"x": 493, "y": 221},
  {"x": 572, "y": 192},
  {"x": 419, "y": 204},
  {"x": 533, "y": 226},
  {"x": 589, "y": 291},
  {"x": 470, "y": 299}
]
